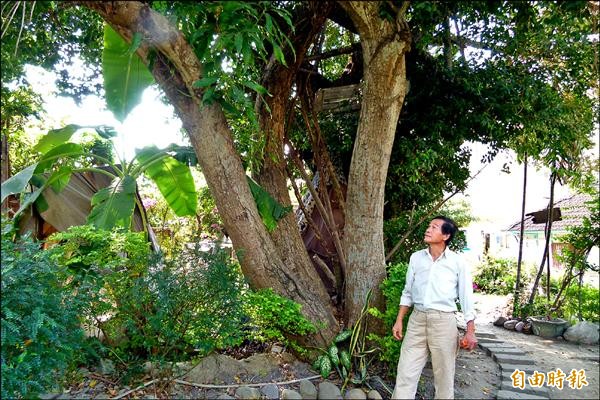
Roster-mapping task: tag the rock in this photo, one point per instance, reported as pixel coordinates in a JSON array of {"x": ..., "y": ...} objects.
[
  {"x": 270, "y": 391},
  {"x": 149, "y": 367},
  {"x": 374, "y": 395},
  {"x": 276, "y": 349},
  {"x": 225, "y": 396},
  {"x": 248, "y": 393},
  {"x": 308, "y": 390},
  {"x": 582, "y": 332},
  {"x": 527, "y": 327},
  {"x": 500, "y": 321},
  {"x": 355, "y": 394},
  {"x": 289, "y": 394},
  {"x": 519, "y": 326},
  {"x": 220, "y": 368},
  {"x": 510, "y": 324},
  {"x": 328, "y": 390},
  {"x": 107, "y": 367}
]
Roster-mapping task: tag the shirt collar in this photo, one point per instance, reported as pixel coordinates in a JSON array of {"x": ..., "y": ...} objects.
[{"x": 444, "y": 254}]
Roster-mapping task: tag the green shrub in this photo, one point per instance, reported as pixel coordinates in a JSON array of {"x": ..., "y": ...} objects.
[
  {"x": 391, "y": 287},
  {"x": 192, "y": 303},
  {"x": 101, "y": 266},
  {"x": 569, "y": 309},
  {"x": 590, "y": 303},
  {"x": 148, "y": 306},
  {"x": 499, "y": 276},
  {"x": 41, "y": 335},
  {"x": 275, "y": 318},
  {"x": 169, "y": 309}
]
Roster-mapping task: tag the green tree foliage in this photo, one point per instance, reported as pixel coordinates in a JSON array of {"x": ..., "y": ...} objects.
[
  {"x": 53, "y": 35},
  {"x": 506, "y": 75},
  {"x": 16, "y": 108}
]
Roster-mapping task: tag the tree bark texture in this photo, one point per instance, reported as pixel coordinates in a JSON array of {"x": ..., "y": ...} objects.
[
  {"x": 278, "y": 80},
  {"x": 176, "y": 68},
  {"x": 5, "y": 164},
  {"x": 384, "y": 45}
]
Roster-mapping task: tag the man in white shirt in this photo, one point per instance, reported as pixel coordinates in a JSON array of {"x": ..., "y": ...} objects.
[{"x": 436, "y": 277}]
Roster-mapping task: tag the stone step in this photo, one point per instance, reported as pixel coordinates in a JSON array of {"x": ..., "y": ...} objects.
[
  {"x": 489, "y": 340},
  {"x": 486, "y": 335},
  {"x": 511, "y": 367},
  {"x": 506, "y": 374},
  {"x": 508, "y": 345},
  {"x": 512, "y": 359},
  {"x": 512, "y": 395},
  {"x": 504, "y": 350}
]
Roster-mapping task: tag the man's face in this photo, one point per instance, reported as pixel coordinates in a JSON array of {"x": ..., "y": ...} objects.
[{"x": 433, "y": 234}]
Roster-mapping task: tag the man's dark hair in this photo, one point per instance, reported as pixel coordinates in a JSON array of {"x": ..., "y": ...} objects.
[{"x": 449, "y": 227}]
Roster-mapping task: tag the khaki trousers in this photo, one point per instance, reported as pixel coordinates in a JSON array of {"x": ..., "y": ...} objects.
[{"x": 433, "y": 332}]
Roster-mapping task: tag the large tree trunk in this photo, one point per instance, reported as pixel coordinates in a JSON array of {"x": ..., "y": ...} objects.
[
  {"x": 176, "y": 68},
  {"x": 384, "y": 45}
]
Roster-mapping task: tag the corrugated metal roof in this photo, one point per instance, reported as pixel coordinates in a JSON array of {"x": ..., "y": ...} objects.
[{"x": 572, "y": 211}]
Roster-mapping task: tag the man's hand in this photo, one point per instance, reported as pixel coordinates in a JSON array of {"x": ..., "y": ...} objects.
[
  {"x": 397, "y": 330},
  {"x": 469, "y": 342}
]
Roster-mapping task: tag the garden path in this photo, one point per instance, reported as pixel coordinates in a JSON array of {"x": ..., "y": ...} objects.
[{"x": 547, "y": 354}]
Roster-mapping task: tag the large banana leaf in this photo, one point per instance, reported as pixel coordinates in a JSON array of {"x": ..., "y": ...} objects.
[
  {"x": 270, "y": 210},
  {"x": 56, "y": 137},
  {"x": 125, "y": 76},
  {"x": 60, "y": 179},
  {"x": 173, "y": 178},
  {"x": 18, "y": 182},
  {"x": 113, "y": 205},
  {"x": 48, "y": 159}
]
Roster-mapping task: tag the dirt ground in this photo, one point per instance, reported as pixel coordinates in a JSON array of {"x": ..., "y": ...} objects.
[{"x": 548, "y": 355}]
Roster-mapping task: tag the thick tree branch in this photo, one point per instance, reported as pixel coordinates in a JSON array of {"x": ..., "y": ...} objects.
[{"x": 335, "y": 52}]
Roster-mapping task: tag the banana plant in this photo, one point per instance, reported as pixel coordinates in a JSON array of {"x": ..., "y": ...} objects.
[{"x": 112, "y": 206}]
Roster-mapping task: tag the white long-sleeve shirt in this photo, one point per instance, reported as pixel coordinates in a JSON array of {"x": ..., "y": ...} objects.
[{"x": 437, "y": 284}]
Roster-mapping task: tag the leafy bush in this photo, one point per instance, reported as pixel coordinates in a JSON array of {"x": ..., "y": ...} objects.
[
  {"x": 273, "y": 317},
  {"x": 192, "y": 303},
  {"x": 41, "y": 334},
  {"x": 391, "y": 288},
  {"x": 499, "y": 276},
  {"x": 590, "y": 303},
  {"x": 167, "y": 309},
  {"x": 100, "y": 266}
]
